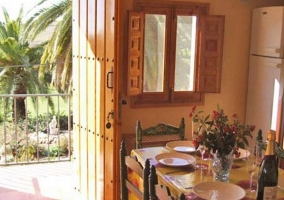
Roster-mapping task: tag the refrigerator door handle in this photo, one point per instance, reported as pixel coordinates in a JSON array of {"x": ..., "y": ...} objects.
[
  {"x": 279, "y": 65},
  {"x": 272, "y": 50},
  {"x": 271, "y": 64},
  {"x": 278, "y": 51}
]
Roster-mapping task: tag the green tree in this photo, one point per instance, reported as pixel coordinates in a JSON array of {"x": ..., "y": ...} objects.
[
  {"x": 58, "y": 51},
  {"x": 19, "y": 72}
]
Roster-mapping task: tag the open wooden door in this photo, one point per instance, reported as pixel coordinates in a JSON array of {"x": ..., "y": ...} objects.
[
  {"x": 280, "y": 117},
  {"x": 94, "y": 99}
]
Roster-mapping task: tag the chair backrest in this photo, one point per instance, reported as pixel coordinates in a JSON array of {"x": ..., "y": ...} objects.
[
  {"x": 159, "y": 129},
  {"x": 158, "y": 191},
  {"x": 130, "y": 163}
]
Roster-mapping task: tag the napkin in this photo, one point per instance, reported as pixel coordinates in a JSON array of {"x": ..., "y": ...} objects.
[{"x": 182, "y": 181}]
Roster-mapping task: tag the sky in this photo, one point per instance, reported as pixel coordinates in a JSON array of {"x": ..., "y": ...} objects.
[{"x": 13, "y": 6}]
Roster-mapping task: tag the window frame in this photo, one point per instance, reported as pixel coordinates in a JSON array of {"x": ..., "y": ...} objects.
[{"x": 169, "y": 97}]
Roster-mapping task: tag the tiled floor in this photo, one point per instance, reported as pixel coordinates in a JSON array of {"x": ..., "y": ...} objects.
[{"x": 47, "y": 181}]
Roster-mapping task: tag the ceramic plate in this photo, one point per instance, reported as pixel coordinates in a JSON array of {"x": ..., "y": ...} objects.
[
  {"x": 218, "y": 190},
  {"x": 181, "y": 146},
  {"x": 243, "y": 155},
  {"x": 281, "y": 183},
  {"x": 175, "y": 159}
]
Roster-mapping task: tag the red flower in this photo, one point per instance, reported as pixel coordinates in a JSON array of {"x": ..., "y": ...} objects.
[
  {"x": 215, "y": 115},
  {"x": 218, "y": 125},
  {"x": 200, "y": 137},
  {"x": 195, "y": 143},
  {"x": 233, "y": 128},
  {"x": 226, "y": 129}
]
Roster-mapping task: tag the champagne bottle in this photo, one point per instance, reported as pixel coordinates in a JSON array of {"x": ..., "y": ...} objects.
[{"x": 268, "y": 173}]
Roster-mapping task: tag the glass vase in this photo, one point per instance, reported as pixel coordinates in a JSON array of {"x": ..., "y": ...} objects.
[{"x": 222, "y": 164}]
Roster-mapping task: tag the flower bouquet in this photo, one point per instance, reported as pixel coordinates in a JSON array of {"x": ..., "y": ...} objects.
[
  {"x": 217, "y": 133},
  {"x": 221, "y": 137}
]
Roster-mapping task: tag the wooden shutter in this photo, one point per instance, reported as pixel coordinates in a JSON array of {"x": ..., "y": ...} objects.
[
  {"x": 211, "y": 53},
  {"x": 135, "y": 53}
]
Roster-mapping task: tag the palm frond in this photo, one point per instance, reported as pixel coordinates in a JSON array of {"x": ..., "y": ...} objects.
[{"x": 57, "y": 49}]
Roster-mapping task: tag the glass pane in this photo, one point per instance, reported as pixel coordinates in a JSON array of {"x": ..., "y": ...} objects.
[
  {"x": 154, "y": 52},
  {"x": 185, "y": 53}
]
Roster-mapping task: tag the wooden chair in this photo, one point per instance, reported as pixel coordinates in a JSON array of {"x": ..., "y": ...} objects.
[
  {"x": 158, "y": 191},
  {"x": 158, "y": 135},
  {"x": 130, "y": 163}
]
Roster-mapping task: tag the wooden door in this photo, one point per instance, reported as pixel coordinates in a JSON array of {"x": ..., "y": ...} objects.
[{"x": 94, "y": 99}]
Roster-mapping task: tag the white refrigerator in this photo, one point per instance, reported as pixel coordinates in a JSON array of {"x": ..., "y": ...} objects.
[{"x": 265, "y": 83}]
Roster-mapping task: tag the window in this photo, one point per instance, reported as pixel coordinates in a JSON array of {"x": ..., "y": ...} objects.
[{"x": 174, "y": 53}]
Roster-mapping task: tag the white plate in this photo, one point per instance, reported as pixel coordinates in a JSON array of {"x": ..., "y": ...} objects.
[
  {"x": 244, "y": 154},
  {"x": 221, "y": 190},
  {"x": 184, "y": 146},
  {"x": 175, "y": 159},
  {"x": 281, "y": 183}
]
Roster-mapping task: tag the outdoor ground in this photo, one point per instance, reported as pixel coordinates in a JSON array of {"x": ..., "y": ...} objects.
[{"x": 48, "y": 181}]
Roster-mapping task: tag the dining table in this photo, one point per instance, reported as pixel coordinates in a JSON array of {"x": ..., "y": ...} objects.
[{"x": 183, "y": 179}]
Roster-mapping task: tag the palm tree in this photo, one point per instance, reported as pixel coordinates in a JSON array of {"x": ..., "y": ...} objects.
[
  {"x": 18, "y": 72},
  {"x": 58, "y": 51}
]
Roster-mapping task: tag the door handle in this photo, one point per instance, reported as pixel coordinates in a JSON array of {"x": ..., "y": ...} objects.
[{"x": 109, "y": 85}]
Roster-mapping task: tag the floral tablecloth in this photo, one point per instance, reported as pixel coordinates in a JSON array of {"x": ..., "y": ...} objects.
[{"x": 182, "y": 179}]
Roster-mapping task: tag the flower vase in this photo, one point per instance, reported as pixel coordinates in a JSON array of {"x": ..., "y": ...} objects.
[{"x": 222, "y": 164}]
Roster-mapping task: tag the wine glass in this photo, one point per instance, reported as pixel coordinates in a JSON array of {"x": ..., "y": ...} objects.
[
  {"x": 251, "y": 164},
  {"x": 202, "y": 150},
  {"x": 209, "y": 159}
]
